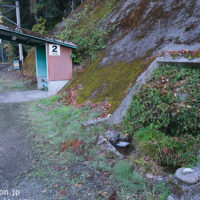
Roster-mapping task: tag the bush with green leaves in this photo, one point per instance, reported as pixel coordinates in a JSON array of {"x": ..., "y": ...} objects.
[
  {"x": 167, "y": 150},
  {"x": 84, "y": 32},
  {"x": 171, "y": 101},
  {"x": 164, "y": 116},
  {"x": 40, "y": 27}
]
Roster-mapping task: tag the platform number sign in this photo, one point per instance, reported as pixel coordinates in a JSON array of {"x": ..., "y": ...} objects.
[{"x": 54, "y": 50}]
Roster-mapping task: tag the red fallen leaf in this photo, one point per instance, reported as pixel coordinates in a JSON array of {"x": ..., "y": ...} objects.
[
  {"x": 113, "y": 196},
  {"x": 107, "y": 174},
  {"x": 60, "y": 169},
  {"x": 63, "y": 192},
  {"x": 88, "y": 158},
  {"x": 165, "y": 150}
]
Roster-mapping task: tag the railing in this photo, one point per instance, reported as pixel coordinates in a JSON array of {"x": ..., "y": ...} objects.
[{"x": 4, "y": 65}]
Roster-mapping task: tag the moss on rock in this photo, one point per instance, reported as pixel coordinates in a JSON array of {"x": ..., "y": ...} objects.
[{"x": 111, "y": 82}]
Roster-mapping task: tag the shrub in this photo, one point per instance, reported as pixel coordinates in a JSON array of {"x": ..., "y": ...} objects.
[
  {"x": 41, "y": 26},
  {"x": 89, "y": 38},
  {"x": 167, "y": 150},
  {"x": 165, "y": 116},
  {"x": 170, "y": 101}
]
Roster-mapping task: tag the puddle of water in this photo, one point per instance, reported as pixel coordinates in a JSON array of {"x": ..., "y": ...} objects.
[{"x": 124, "y": 150}]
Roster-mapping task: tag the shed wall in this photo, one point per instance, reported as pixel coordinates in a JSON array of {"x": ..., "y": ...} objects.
[{"x": 60, "y": 67}]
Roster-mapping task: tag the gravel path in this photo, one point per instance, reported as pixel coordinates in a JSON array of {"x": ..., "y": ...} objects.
[{"x": 16, "y": 157}]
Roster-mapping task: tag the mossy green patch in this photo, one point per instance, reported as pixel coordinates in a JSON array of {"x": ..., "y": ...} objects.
[
  {"x": 174, "y": 56},
  {"x": 190, "y": 55},
  {"x": 110, "y": 82},
  {"x": 195, "y": 56}
]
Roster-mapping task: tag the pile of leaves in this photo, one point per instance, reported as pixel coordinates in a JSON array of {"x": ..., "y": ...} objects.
[{"x": 72, "y": 99}]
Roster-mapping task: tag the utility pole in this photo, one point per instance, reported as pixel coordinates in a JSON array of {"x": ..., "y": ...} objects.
[
  {"x": 73, "y": 5},
  {"x": 19, "y": 26},
  {"x": 2, "y": 51},
  {"x": 21, "y": 57}
]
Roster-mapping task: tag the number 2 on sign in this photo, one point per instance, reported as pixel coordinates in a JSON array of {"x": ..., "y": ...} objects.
[{"x": 54, "y": 50}]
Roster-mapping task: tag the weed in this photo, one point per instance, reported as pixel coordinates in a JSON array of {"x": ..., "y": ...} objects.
[
  {"x": 129, "y": 179},
  {"x": 101, "y": 164}
]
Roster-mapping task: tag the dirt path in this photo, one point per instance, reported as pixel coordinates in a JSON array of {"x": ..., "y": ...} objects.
[{"x": 16, "y": 154}]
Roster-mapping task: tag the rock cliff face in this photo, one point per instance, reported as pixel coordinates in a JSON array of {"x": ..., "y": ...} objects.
[
  {"x": 149, "y": 26},
  {"x": 143, "y": 29}
]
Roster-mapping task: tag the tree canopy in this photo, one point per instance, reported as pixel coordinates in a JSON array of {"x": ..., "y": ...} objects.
[{"x": 33, "y": 11}]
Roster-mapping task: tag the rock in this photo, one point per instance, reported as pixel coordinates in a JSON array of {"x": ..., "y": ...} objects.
[
  {"x": 170, "y": 198},
  {"x": 188, "y": 171},
  {"x": 95, "y": 121},
  {"x": 189, "y": 178},
  {"x": 182, "y": 190},
  {"x": 123, "y": 144},
  {"x": 150, "y": 176},
  {"x": 112, "y": 135},
  {"x": 157, "y": 179},
  {"x": 101, "y": 140},
  {"x": 108, "y": 147}
]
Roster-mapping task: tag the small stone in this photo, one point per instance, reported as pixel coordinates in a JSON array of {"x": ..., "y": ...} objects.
[
  {"x": 112, "y": 135},
  {"x": 123, "y": 144},
  {"x": 187, "y": 171},
  {"x": 190, "y": 178},
  {"x": 150, "y": 176},
  {"x": 101, "y": 140},
  {"x": 170, "y": 198}
]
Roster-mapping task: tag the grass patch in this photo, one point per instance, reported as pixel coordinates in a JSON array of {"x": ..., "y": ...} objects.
[
  {"x": 56, "y": 125},
  {"x": 57, "y": 131},
  {"x": 133, "y": 183}
]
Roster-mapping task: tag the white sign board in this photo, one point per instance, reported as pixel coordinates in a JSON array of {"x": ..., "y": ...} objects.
[{"x": 54, "y": 50}]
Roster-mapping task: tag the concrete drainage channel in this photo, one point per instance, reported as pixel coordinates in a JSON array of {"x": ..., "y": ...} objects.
[
  {"x": 185, "y": 185},
  {"x": 120, "y": 112}
]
